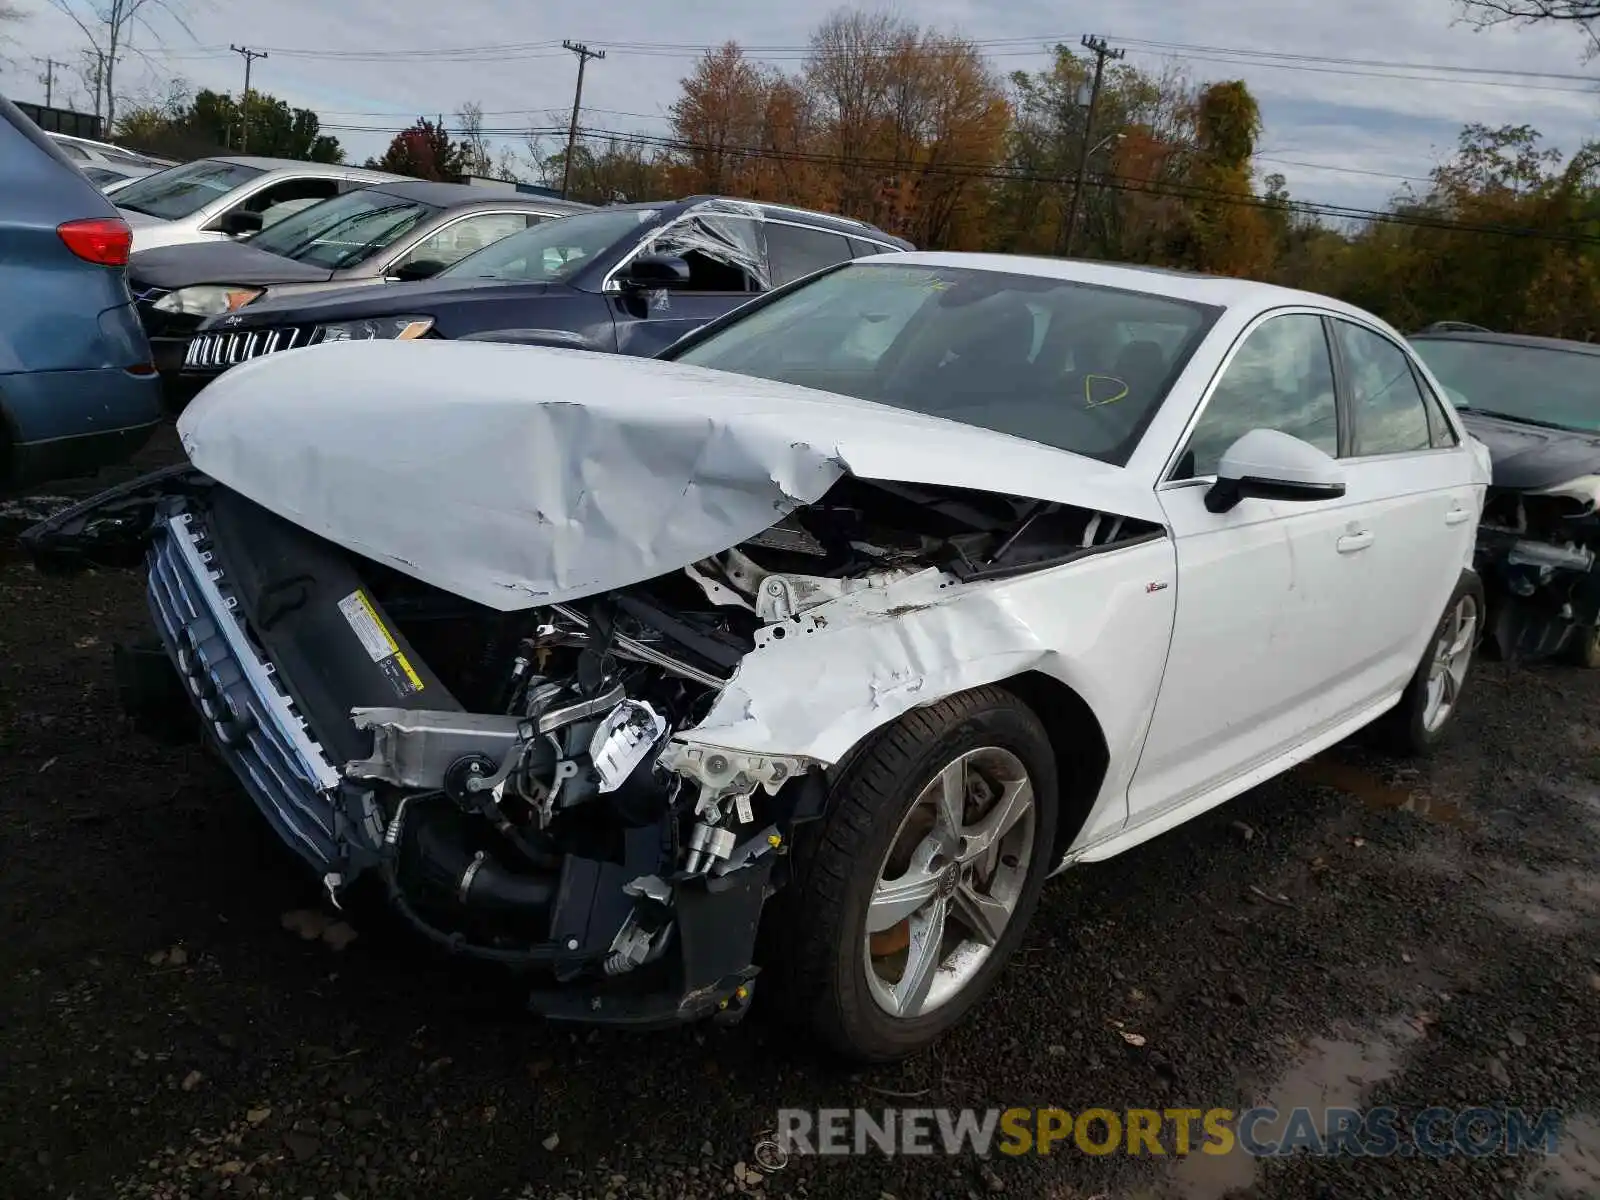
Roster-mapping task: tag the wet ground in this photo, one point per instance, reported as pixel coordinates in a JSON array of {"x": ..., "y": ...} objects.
[{"x": 181, "y": 1017}]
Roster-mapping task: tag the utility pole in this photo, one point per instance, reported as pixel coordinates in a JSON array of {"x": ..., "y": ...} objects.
[
  {"x": 49, "y": 77},
  {"x": 584, "y": 55},
  {"x": 250, "y": 57},
  {"x": 1101, "y": 51}
]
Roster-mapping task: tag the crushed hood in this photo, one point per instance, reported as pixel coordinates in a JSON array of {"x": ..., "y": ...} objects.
[{"x": 517, "y": 476}]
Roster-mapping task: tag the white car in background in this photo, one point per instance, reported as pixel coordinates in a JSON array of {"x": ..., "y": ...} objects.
[
  {"x": 583, "y": 657},
  {"x": 87, "y": 153},
  {"x": 211, "y": 199}
]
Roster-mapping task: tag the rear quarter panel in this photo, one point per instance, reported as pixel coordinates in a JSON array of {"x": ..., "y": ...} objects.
[{"x": 57, "y": 325}]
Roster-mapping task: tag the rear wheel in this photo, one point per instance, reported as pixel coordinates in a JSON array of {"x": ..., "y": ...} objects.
[
  {"x": 922, "y": 878},
  {"x": 1428, "y": 706}
]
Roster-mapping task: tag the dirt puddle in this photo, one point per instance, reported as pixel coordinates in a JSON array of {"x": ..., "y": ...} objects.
[
  {"x": 1332, "y": 1073},
  {"x": 1366, "y": 787}
]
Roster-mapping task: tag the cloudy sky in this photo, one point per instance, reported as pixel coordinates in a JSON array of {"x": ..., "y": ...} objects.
[{"x": 1340, "y": 127}]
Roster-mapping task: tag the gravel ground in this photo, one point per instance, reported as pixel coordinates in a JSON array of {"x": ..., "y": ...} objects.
[{"x": 180, "y": 1017}]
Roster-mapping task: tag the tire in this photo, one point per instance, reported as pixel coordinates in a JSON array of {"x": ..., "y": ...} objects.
[
  {"x": 1414, "y": 727},
  {"x": 878, "y": 805}
]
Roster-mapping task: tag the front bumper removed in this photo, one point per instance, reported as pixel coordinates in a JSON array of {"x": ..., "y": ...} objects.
[{"x": 259, "y": 723}]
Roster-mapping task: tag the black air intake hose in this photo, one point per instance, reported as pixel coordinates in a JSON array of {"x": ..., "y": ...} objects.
[{"x": 436, "y": 859}]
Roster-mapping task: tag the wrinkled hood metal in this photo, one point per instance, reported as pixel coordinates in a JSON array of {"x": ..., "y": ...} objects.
[
  {"x": 517, "y": 476},
  {"x": 226, "y": 262},
  {"x": 1529, "y": 457}
]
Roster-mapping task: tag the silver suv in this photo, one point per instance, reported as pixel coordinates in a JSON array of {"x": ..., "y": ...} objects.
[{"x": 212, "y": 199}]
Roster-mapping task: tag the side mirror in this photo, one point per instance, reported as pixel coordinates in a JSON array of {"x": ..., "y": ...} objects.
[
  {"x": 240, "y": 223},
  {"x": 655, "y": 271},
  {"x": 417, "y": 268},
  {"x": 1268, "y": 465}
]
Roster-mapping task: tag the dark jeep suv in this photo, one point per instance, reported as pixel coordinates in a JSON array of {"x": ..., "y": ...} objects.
[{"x": 629, "y": 279}]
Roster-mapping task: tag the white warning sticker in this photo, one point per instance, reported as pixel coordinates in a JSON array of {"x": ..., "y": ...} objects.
[{"x": 374, "y": 637}]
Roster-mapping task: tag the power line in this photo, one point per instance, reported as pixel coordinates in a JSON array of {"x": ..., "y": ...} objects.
[
  {"x": 1004, "y": 174},
  {"x": 1012, "y": 47},
  {"x": 542, "y": 131},
  {"x": 1109, "y": 180}
]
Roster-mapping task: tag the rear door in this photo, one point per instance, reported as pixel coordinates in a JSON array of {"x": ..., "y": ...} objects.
[
  {"x": 796, "y": 251},
  {"x": 1402, "y": 458}
]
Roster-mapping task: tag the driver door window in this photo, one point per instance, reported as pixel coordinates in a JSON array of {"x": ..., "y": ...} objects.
[
  {"x": 1281, "y": 378},
  {"x": 710, "y": 270},
  {"x": 283, "y": 199}
]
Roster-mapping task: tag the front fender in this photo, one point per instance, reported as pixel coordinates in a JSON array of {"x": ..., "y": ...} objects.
[{"x": 818, "y": 684}]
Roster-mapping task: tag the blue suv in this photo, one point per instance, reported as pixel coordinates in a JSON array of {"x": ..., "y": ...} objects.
[{"x": 78, "y": 389}]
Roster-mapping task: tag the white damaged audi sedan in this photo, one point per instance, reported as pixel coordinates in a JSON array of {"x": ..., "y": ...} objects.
[{"x": 845, "y": 624}]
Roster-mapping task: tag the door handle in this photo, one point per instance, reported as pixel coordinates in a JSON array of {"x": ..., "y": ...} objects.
[
  {"x": 1351, "y": 542},
  {"x": 1457, "y": 515}
]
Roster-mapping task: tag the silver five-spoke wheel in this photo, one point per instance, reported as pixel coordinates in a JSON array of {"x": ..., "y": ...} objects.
[
  {"x": 1452, "y": 655},
  {"x": 950, "y": 882}
]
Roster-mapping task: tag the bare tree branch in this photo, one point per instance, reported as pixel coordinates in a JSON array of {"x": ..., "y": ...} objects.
[
  {"x": 1585, "y": 14},
  {"x": 107, "y": 26}
]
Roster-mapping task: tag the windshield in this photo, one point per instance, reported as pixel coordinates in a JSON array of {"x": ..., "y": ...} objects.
[
  {"x": 1072, "y": 365},
  {"x": 179, "y": 191},
  {"x": 1542, "y": 384},
  {"x": 554, "y": 251},
  {"x": 344, "y": 231}
]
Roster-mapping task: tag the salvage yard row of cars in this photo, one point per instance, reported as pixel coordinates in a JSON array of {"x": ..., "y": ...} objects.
[{"x": 666, "y": 599}]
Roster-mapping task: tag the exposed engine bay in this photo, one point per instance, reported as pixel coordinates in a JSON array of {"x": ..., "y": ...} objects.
[
  {"x": 528, "y": 787},
  {"x": 1540, "y": 548}
]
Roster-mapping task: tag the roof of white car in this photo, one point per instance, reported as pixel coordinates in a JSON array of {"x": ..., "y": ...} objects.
[{"x": 1219, "y": 290}]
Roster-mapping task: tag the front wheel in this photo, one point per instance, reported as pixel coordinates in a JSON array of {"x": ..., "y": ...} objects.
[
  {"x": 1428, "y": 706},
  {"x": 922, "y": 878}
]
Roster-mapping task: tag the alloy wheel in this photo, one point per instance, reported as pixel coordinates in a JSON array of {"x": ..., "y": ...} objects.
[{"x": 948, "y": 886}]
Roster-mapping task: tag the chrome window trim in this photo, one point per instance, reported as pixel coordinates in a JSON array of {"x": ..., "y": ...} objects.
[{"x": 450, "y": 224}]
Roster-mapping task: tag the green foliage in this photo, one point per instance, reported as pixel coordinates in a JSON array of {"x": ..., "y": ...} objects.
[
  {"x": 211, "y": 122},
  {"x": 1525, "y": 256}
]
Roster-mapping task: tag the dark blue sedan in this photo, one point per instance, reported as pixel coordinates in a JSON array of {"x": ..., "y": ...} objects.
[
  {"x": 78, "y": 390},
  {"x": 630, "y": 279}
]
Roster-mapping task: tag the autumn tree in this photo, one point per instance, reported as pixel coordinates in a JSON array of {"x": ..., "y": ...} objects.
[
  {"x": 719, "y": 119},
  {"x": 1228, "y": 233},
  {"x": 423, "y": 151},
  {"x": 1143, "y": 127},
  {"x": 909, "y": 122},
  {"x": 610, "y": 170}
]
